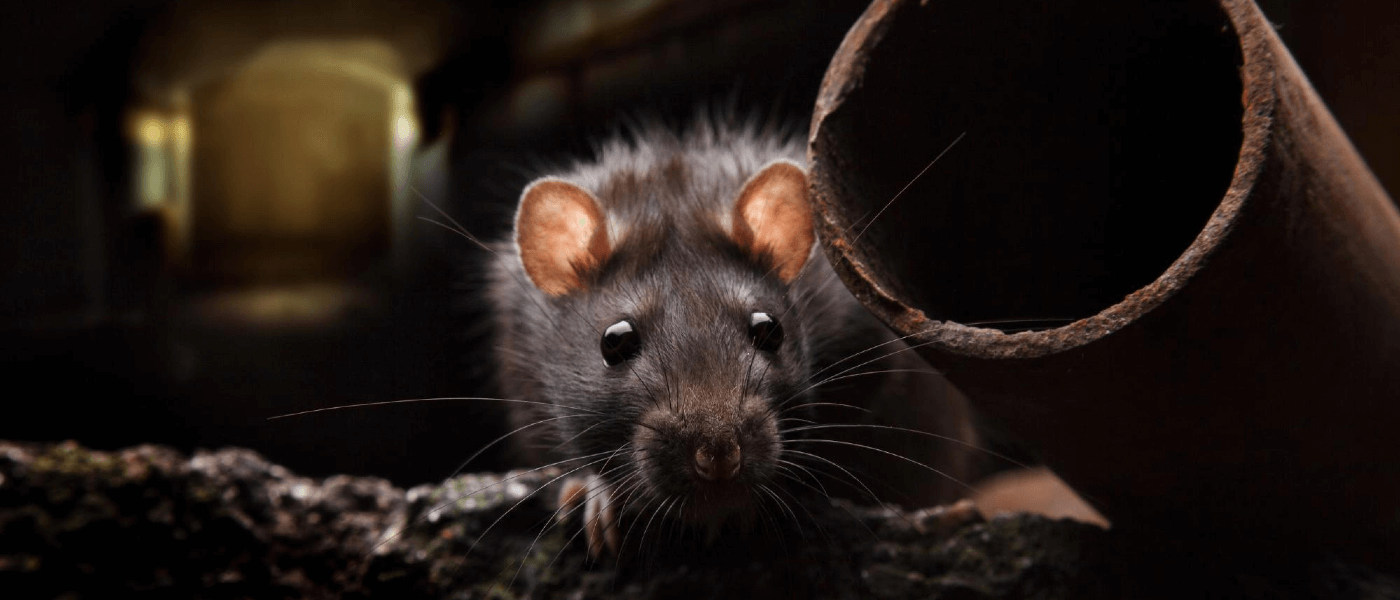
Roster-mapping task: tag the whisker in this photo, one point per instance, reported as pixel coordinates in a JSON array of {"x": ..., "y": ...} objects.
[
  {"x": 879, "y": 372},
  {"x": 664, "y": 517},
  {"x": 642, "y": 541},
  {"x": 584, "y": 431},
  {"x": 886, "y": 452},
  {"x": 753, "y": 355},
  {"x": 413, "y": 400},
  {"x": 883, "y": 483},
  {"x": 626, "y": 534},
  {"x": 906, "y": 187},
  {"x": 848, "y": 370},
  {"x": 785, "y": 467},
  {"x": 855, "y": 354},
  {"x": 517, "y": 504},
  {"x": 839, "y": 404},
  {"x": 906, "y": 430},
  {"x": 434, "y": 510},
  {"x": 782, "y": 506},
  {"x": 462, "y": 232},
  {"x": 652, "y": 396},
  {"x": 873, "y": 497},
  {"x": 459, "y": 229},
  {"x": 853, "y": 472},
  {"x": 623, "y": 487},
  {"x": 554, "y": 519},
  {"x": 502, "y": 438},
  {"x": 838, "y": 505},
  {"x": 1046, "y": 320},
  {"x": 772, "y": 525}
]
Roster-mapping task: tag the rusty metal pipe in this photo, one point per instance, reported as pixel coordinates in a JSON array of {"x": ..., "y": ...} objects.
[{"x": 1160, "y": 182}]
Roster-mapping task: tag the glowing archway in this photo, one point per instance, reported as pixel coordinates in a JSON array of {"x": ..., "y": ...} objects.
[{"x": 299, "y": 163}]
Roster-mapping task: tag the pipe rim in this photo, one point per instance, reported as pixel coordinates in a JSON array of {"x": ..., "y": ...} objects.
[{"x": 949, "y": 337}]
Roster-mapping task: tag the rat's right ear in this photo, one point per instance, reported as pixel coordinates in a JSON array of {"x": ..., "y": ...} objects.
[
  {"x": 562, "y": 234},
  {"x": 773, "y": 216}
]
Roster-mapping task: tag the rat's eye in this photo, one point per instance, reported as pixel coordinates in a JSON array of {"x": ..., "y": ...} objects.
[
  {"x": 767, "y": 334},
  {"x": 620, "y": 342}
]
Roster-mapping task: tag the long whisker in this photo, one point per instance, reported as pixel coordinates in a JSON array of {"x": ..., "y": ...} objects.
[
  {"x": 783, "y": 506},
  {"x": 414, "y": 400},
  {"x": 879, "y": 372},
  {"x": 452, "y": 500},
  {"x": 654, "y": 401},
  {"x": 838, "y": 505},
  {"x": 786, "y": 468},
  {"x": 553, "y": 519},
  {"x": 838, "y": 467},
  {"x": 868, "y": 477},
  {"x": 855, "y": 354},
  {"x": 627, "y": 485},
  {"x": 794, "y": 306},
  {"x": 907, "y": 186},
  {"x": 772, "y": 524},
  {"x": 546, "y": 525},
  {"x": 906, "y": 430},
  {"x": 462, "y": 231},
  {"x": 527, "y": 497},
  {"x": 848, "y": 370},
  {"x": 1010, "y": 321},
  {"x": 643, "y": 509},
  {"x": 815, "y": 521},
  {"x": 667, "y": 515},
  {"x": 877, "y": 480},
  {"x": 502, "y": 438},
  {"x": 585, "y": 431},
  {"x": 811, "y": 404},
  {"x": 886, "y": 452},
  {"x": 669, "y": 499},
  {"x": 457, "y": 226}
]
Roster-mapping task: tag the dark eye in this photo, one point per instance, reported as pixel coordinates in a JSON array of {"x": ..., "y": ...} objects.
[
  {"x": 767, "y": 334},
  {"x": 620, "y": 342}
]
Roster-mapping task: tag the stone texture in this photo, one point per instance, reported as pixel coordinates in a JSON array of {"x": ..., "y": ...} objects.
[{"x": 150, "y": 522}]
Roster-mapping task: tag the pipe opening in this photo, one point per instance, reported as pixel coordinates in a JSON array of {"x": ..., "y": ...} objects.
[{"x": 1099, "y": 139}]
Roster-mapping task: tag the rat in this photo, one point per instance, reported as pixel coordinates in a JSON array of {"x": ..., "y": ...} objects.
[{"x": 683, "y": 345}]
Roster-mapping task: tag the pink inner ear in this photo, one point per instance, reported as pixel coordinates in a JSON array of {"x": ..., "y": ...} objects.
[
  {"x": 774, "y": 216},
  {"x": 561, "y": 232}
]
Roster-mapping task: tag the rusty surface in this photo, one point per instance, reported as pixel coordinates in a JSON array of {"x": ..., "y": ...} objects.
[{"x": 1162, "y": 182}]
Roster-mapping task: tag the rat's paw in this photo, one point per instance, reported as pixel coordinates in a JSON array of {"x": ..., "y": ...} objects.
[{"x": 599, "y": 514}]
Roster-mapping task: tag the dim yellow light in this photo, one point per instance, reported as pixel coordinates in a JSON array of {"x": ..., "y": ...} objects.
[
  {"x": 151, "y": 131},
  {"x": 180, "y": 131},
  {"x": 305, "y": 304},
  {"x": 405, "y": 132}
]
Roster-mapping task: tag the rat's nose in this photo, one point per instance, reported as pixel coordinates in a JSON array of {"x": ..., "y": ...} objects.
[{"x": 718, "y": 461}]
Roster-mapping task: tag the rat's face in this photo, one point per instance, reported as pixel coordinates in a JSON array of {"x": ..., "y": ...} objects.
[
  {"x": 693, "y": 372},
  {"x": 674, "y": 329}
]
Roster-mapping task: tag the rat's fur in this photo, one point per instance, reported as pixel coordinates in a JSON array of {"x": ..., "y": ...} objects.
[{"x": 675, "y": 270}]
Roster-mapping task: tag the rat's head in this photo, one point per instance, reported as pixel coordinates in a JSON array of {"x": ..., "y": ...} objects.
[{"x": 674, "y": 323}]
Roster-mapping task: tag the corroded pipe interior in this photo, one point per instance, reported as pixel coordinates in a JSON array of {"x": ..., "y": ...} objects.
[{"x": 1099, "y": 139}]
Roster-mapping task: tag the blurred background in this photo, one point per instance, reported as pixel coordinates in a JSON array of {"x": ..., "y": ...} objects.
[{"x": 218, "y": 211}]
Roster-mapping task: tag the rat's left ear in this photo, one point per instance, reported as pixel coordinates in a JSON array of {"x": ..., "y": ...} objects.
[
  {"x": 562, "y": 235},
  {"x": 773, "y": 215}
]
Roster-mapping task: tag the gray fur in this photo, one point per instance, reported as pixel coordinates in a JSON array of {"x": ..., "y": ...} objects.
[{"x": 676, "y": 273}]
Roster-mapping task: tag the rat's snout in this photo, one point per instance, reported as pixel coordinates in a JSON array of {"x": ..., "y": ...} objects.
[
  {"x": 718, "y": 460},
  {"x": 712, "y": 448}
]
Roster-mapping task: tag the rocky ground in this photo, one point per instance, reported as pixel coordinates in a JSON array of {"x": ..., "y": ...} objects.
[{"x": 150, "y": 522}]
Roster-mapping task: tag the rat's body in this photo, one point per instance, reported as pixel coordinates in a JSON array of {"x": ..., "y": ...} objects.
[{"x": 638, "y": 300}]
